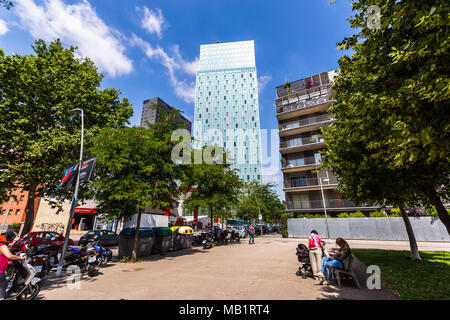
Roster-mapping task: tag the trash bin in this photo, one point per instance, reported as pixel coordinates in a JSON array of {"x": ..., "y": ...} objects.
[
  {"x": 162, "y": 240},
  {"x": 145, "y": 243},
  {"x": 176, "y": 239},
  {"x": 185, "y": 234}
]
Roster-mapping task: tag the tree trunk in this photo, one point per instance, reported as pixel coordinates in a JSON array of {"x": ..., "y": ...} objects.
[
  {"x": 441, "y": 211},
  {"x": 136, "y": 237},
  {"x": 211, "y": 213},
  {"x": 412, "y": 239},
  {"x": 29, "y": 210}
]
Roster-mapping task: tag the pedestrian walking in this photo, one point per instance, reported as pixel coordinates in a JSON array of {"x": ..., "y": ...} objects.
[
  {"x": 315, "y": 251},
  {"x": 251, "y": 232}
]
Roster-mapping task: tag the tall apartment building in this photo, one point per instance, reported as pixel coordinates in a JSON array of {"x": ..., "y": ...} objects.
[
  {"x": 227, "y": 105},
  {"x": 150, "y": 112},
  {"x": 302, "y": 110}
]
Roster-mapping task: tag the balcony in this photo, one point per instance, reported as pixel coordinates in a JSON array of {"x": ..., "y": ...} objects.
[
  {"x": 300, "y": 184},
  {"x": 302, "y": 164},
  {"x": 301, "y": 144},
  {"x": 317, "y": 205},
  {"x": 305, "y": 125},
  {"x": 292, "y": 108}
]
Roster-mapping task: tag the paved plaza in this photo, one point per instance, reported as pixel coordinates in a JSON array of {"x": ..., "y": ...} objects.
[{"x": 263, "y": 271}]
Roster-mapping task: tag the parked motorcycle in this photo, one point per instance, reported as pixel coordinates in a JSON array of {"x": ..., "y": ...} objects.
[
  {"x": 222, "y": 236},
  {"x": 105, "y": 254},
  {"x": 206, "y": 240},
  {"x": 25, "y": 284},
  {"x": 234, "y": 236},
  {"x": 197, "y": 240},
  {"x": 86, "y": 258}
]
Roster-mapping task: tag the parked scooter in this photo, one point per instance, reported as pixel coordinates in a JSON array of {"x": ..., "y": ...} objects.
[
  {"x": 25, "y": 284},
  {"x": 37, "y": 257}
]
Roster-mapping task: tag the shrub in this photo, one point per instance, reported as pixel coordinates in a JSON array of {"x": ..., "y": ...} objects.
[
  {"x": 357, "y": 214},
  {"x": 343, "y": 215},
  {"x": 284, "y": 218},
  {"x": 395, "y": 212},
  {"x": 125, "y": 259},
  {"x": 379, "y": 214}
]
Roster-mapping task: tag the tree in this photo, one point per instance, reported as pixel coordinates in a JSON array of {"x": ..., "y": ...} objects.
[
  {"x": 257, "y": 198},
  {"x": 135, "y": 170},
  {"x": 6, "y": 3},
  {"x": 390, "y": 142},
  {"x": 39, "y": 138},
  {"x": 216, "y": 188}
]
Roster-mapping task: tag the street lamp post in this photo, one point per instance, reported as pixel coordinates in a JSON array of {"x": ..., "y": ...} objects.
[
  {"x": 75, "y": 195},
  {"x": 324, "y": 205}
]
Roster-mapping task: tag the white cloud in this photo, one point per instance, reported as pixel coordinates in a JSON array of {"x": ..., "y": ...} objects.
[
  {"x": 3, "y": 27},
  {"x": 183, "y": 88},
  {"x": 76, "y": 24},
  {"x": 152, "y": 21},
  {"x": 262, "y": 82}
]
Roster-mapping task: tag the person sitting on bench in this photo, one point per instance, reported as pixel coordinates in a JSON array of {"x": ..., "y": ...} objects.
[{"x": 337, "y": 261}]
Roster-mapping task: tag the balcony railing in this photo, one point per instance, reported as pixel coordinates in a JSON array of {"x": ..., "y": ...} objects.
[
  {"x": 306, "y": 161},
  {"x": 299, "y": 142},
  {"x": 318, "y": 204},
  {"x": 305, "y": 122},
  {"x": 324, "y": 97},
  {"x": 300, "y": 182}
]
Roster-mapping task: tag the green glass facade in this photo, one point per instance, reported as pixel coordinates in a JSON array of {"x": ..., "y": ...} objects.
[{"x": 226, "y": 105}]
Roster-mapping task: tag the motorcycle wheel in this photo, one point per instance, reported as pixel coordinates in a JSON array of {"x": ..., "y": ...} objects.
[
  {"x": 91, "y": 271},
  {"x": 238, "y": 240},
  {"x": 30, "y": 292},
  {"x": 10, "y": 273},
  {"x": 104, "y": 259}
]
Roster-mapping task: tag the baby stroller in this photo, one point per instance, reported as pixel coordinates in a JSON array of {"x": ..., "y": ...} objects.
[{"x": 305, "y": 263}]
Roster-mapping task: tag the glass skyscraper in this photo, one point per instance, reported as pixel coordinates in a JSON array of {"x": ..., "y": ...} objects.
[{"x": 226, "y": 104}]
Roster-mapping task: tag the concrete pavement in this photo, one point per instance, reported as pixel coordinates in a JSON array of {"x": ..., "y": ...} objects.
[{"x": 265, "y": 270}]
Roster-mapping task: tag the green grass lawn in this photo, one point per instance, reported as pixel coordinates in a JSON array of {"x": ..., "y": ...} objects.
[{"x": 417, "y": 280}]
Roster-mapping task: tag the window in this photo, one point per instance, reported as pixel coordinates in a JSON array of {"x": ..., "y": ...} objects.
[
  {"x": 206, "y": 120},
  {"x": 199, "y": 116},
  {"x": 224, "y": 97},
  {"x": 17, "y": 212},
  {"x": 242, "y": 75},
  {"x": 3, "y": 212}
]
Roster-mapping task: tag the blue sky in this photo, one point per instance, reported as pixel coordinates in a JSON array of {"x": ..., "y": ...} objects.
[{"x": 150, "y": 48}]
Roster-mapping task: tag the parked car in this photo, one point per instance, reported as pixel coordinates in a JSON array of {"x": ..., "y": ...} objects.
[
  {"x": 240, "y": 229},
  {"x": 40, "y": 237},
  {"x": 104, "y": 237}
]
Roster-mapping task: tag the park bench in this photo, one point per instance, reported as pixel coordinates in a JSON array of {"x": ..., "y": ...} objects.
[{"x": 336, "y": 272}]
